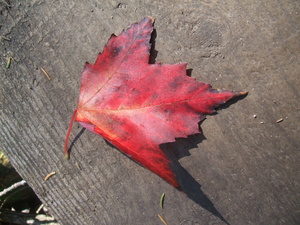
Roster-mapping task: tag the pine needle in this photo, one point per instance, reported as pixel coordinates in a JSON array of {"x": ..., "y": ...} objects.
[
  {"x": 44, "y": 71},
  {"x": 161, "y": 202},
  {"x": 8, "y": 62},
  {"x": 49, "y": 175},
  {"x": 162, "y": 219}
]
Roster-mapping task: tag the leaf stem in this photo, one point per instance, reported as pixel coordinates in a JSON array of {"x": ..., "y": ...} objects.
[{"x": 68, "y": 134}]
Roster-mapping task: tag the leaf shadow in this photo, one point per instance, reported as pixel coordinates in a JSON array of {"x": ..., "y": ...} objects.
[
  {"x": 179, "y": 149},
  {"x": 189, "y": 72},
  {"x": 153, "y": 52},
  {"x": 75, "y": 140},
  {"x": 175, "y": 151}
]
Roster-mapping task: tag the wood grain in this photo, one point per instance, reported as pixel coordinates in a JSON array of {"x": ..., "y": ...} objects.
[{"x": 242, "y": 170}]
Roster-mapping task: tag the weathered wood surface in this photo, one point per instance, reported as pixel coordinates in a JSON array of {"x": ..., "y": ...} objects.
[{"x": 244, "y": 169}]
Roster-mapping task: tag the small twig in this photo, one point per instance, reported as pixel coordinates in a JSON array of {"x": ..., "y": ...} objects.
[
  {"x": 39, "y": 209},
  {"x": 162, "y": 219},
  {"x": 44, "y": 71},
  {"x": 12, "y": 217},
  {"x": 12, "y": 187},
  {"x": 12, "y": 193},
  {"x": 49, "y": 175},
  {"x": 279, "y": 120}
]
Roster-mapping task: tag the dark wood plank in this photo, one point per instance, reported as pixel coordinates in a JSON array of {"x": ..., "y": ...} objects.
[{"x": 242, "y": 170}]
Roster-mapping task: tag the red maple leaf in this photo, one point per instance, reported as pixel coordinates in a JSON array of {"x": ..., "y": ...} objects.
[{"x": 136, "y": 105}]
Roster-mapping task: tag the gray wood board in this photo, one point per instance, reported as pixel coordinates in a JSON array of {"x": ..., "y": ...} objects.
[{"x": 241, "y": 170}]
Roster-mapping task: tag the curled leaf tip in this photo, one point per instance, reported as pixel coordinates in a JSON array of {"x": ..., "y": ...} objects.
[
  {"x": 151, "y": 18},
  {"x": 244, "y": 93}
]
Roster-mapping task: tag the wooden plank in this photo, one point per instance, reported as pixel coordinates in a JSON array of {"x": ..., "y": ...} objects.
[{"x": 244, "y": 169}]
